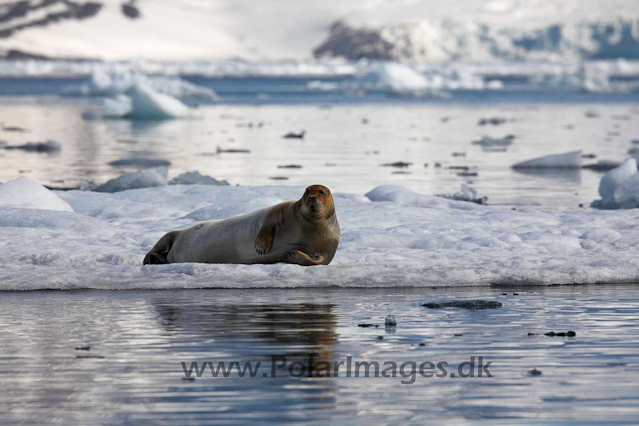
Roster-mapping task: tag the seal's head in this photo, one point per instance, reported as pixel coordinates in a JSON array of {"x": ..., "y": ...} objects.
[{"x": 317, "y": 202}]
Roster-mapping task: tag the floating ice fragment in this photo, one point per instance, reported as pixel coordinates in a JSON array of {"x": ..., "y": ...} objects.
[
  {"x": 569, "y": 160},
  {"x": 487, "y": 141},
  {"x": 619, "y": 188},
  {"x": 390, "y": 321}
]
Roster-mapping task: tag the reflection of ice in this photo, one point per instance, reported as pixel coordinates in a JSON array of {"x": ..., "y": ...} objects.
[{"x": 569, "y": 175}]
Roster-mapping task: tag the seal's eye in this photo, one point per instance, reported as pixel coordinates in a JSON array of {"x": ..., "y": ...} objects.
[{"x": 321, "y": 192}]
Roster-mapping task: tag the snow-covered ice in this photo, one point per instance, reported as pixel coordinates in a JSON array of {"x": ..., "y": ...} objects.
[
  {"x": 195, "y": 178},
  {"x": 619, "y": 188},
  {"x": 25, "y": 193},
  {"x": 390, "y": 237},
  {"x": 569, "y": 160}
]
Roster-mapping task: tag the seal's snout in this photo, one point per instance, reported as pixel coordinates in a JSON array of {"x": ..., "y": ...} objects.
[{"x": 312, "y": 202}]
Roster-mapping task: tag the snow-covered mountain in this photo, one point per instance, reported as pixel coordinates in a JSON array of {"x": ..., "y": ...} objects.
[
  {"x": 298, "y": 29},
  {"x": 473, "y": 41}
]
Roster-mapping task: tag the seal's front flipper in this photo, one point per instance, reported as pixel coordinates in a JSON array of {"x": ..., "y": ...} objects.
[
  {"x": 160, "y": 251},
  {"x": 264, "y": 239},
  {"x": 300, "y": 258},
  {"x": 155, "y": 259}
]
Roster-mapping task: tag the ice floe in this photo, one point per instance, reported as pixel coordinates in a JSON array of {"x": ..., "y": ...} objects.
[
  {"x": 390, "y": 237},
  {"x": 569, "y": 160},
  {"x": 619, "y": 188}
]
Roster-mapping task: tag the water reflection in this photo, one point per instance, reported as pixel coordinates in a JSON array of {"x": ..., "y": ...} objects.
[
  {"x": 561, "y": 176},
  {"x": 132, "y": 371},
  {"x": 340, "y": 148}
]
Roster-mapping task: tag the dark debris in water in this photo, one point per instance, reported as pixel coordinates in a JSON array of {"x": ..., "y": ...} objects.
[
  {"x": 561, "y": 334},
  {"x": 397, "y": 164},
  {"x": 368, "y": 325},
  {"x": 534, "y": 372},
  {"x": 83, "y": 348},
  {"x": 473, "y": 305}
]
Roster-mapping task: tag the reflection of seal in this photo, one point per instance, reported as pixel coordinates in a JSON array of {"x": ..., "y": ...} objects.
[{"x": 304, "y": 232}]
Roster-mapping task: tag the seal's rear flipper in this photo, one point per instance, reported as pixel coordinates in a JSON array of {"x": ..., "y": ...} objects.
[{"x": 160, "y": 251}]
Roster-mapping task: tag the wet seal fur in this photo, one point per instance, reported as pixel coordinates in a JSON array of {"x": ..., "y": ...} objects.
[{"x": 303, "y": 232}]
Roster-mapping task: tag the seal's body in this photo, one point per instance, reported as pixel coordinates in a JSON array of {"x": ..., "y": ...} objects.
[{"x": 304, "y": 232}]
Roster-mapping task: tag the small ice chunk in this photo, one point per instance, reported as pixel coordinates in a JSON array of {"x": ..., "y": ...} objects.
[
  {"x": 390, "y": 321},
  {"x": 619, "y": 188},
  {"x": 195, "y": 178},
  {"x": 142, "y": 179},
  {"x": 466, "y": 194},
  {"x": 25, "y": 193},
  {"x": 569, "y": 160},
  {"x": 490, "y": 142}
]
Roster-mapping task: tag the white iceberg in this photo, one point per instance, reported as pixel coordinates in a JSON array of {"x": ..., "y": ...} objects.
[
  {"x": 25, "y": 193},
  {"x": 569, "y": 160},
  {"x": 400, "y": 80},
  {"x": 141, "y": 102},
  {"x": 102, "y": 83},
  {"x": 148, "y": 103},
  {"x": 619, "y": 188},
  {"x": 136, "y": 180},
  {"x": 392, "y": 237}
]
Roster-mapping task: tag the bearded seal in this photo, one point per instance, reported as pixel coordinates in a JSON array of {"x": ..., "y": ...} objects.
[{"x": 303, "y": 232}]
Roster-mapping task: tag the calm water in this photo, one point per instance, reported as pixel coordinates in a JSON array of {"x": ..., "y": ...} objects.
[
  {"x": 348, "y": 139},
  {"x": 132, "y": 373}
]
